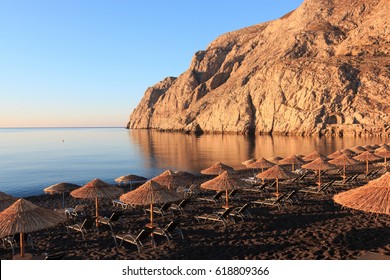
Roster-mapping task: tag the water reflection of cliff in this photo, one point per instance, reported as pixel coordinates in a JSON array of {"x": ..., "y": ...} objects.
[{"x": 193, "y": 153}]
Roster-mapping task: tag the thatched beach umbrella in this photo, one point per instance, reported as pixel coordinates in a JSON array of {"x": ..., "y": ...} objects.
[
  {"x": 275, "y": 160},
  {"x": 186, "y": 175},
  {"x": 224, "y": 182},
  {"x": 249, "y": 161},
  {"x": 369, "y": 147},
  {"x": 96, "y": 189},
  {"x": 260, "y": 164},
  {"x": 358, "y": 149},
  {"x": 319, "y": 164},
  {"x": 335, "y": 154},
  {"x": 313, "y": 156},
  {"x": 6, "y": 201},
  {"x": 343, "y": 160},
  {"x": 373, "y": 197},
  {"x": 348, "y": 152},
  {"x": 24, "y": 217},
  {"x": 367, "y": 157},
  {"x": 150, "y": 193},
  {"x": 276, "y": 173},
  {"x": 171, "y": 180},
  {"x": 217, "y": 168},
  {"x": 129, "y": 179},
  {"x": 293, "y": 159},
  {"x": 383, "y": 152},
  {"x": 61, "y": 188}
]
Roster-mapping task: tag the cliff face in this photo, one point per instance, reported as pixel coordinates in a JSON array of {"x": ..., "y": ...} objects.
[{"x": 324, "y": 68}]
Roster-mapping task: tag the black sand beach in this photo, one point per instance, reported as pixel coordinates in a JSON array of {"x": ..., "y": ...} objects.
[{"x": 312, "y": 228}]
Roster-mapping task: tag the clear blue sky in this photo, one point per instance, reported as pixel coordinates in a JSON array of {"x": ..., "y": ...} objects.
[{"x": 88, "y": 62}]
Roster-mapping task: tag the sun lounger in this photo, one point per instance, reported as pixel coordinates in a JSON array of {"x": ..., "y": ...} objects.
[
  {"x": 112, "y": 220},
  {"x": 216, "y": 217},
  {"x": 170, "y": 231},
  {"x": 162, "y": 210},
  {"x": 276, "y": 201},
  {"x": 214, "y": 198},
  {"x": 137, "y": 240},
  {"x": 83, "y": 227},
  {"x": 181, "y": 206},
  {"x": 77, "y": 211},
  {"x": 242, "y": 212}
]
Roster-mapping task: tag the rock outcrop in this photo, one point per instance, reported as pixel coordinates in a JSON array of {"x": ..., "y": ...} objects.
[{"x": 322, "y": 69}]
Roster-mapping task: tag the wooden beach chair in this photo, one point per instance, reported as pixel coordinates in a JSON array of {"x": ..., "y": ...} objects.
[
  {"x": 83, "y": 227},
  {"x": 137, "y": 240},
  {"x": 216, "y": 217},
  {"x": 170, "y": 231},
  {"x": 325, "y": 188}
]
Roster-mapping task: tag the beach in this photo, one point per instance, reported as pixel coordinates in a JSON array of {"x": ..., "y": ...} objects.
[{"x": 313, "y": 227}]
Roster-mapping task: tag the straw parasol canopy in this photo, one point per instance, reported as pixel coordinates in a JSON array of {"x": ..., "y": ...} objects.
[
  {"x": 23, "y": 217},
  {"x": 261, "y": 164},
  {"x": 319, "y": 164},
  {"x": 249, "y": 161},
  {"x": 96, "y": 189},
  {"x": 367, "y": 157},
  {"x": 224, "y": 182},
  {"x": 6, "y": 201},
  {"x": 335, "y": 154},
  {"x": 129, "y": 179},
  {"x": 275, "y": 159},
  {"x": 313, "y": 156},
  {"x": 171, "y": 180},
  {"x": 61, "y": 188},
  {"x": 293, "y": 159},
  {"x": 383, "y": 152},
  {"x": 185, "y": 174},
  {"x": 343, "y": 160},
  {"x": 374, "y": 197},
  {"x": 348, "y": 152},
  {"x": 217, "y": 168},
  {"x": 369, "y": 147},
  {"x": 277, "y": 173},
  {"x": 150, "y": 193},
  {"x": 358, "y": 149}
]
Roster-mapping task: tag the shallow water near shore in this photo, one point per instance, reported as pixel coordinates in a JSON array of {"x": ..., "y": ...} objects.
[{"x": 31, "y": 159}]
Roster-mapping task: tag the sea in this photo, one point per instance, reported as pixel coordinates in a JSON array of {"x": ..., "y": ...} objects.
[{"x": 32, "y": 159}]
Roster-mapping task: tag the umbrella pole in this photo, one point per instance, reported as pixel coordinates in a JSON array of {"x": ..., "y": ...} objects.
[
  {"x": 344, "y": 173},
  {"x": 366, "y": 166},
  {"x": 227, "y": 199},
  {"x": 151, "y": 214},
  {"x": 277, "y": 187},
  {"x": 319, "y": 179},
  {"x": 63, "y": 200},
  {"x": 22, "y": 244},
  {"x": 262, "y": 179},
  {"x": 292, "y": 169},
  {"x": 97, "y": 214}
]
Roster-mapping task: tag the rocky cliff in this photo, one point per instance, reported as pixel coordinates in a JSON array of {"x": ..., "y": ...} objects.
[{"x": 323, "y": 68}]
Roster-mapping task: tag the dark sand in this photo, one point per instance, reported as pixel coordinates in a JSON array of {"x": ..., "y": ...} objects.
[{"x": 312, "y": 228}]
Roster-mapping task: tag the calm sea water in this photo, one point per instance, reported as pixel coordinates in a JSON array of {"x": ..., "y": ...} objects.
[{"x": 33, "y": 159}]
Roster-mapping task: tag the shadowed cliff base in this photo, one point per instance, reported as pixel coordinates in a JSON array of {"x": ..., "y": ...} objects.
[{"x": 322, "y": 69}]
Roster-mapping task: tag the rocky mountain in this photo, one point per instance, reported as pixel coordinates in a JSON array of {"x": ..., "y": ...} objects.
[{"x": 322, "y": 69}]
